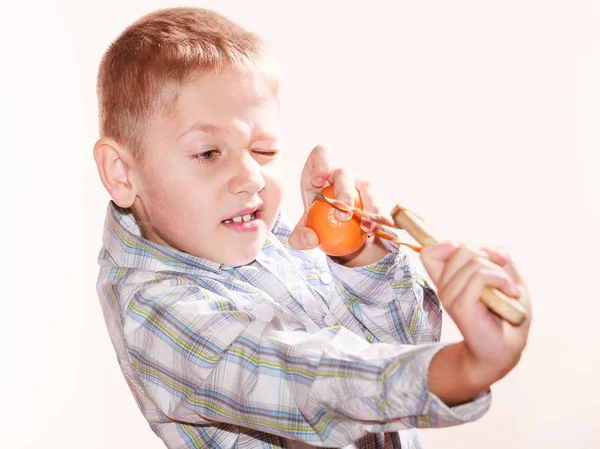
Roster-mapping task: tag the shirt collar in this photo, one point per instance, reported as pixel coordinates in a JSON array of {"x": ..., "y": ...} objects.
[{"x": 123, "y": 240}]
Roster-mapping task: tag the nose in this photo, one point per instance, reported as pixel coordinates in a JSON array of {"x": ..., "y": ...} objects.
[{"x": 247, "y": 175}]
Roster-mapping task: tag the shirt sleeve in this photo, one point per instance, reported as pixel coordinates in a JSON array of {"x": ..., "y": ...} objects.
[
  {"x": 391, "y": 297},
  {"x": 202, "y": 358},
  {"x": 395, "y": 303}
]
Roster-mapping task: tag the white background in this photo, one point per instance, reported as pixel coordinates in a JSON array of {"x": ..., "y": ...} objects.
[{"x": 481, "y": 116}]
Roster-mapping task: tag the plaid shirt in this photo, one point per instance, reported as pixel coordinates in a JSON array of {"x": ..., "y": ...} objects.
[{"x": 290, "y": 351}]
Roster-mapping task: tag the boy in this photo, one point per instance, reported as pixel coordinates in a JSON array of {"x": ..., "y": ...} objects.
[{"x": 230, "y": 328}]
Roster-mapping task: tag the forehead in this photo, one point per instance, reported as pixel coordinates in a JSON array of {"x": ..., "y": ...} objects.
[{"x": 227, "y": 95}]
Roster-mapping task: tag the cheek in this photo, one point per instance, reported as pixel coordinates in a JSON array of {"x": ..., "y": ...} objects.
[
  {"x": 274, "y": 179},
  {"x": 166, "y": 200},
  {"x": 188, "y": 206},
  {"x": 156, "y": 205},
  {"x": 274, "y": 187}
]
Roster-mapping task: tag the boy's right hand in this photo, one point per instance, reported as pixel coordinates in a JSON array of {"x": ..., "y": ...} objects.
[{"x": 491, "y": 346}]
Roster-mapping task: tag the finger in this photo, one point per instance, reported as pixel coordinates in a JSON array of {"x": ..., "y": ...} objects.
[
  {"x": 449, "y": 292},
  {"x": 368, "y": 226},
  {"x": 503, "y": 259},
  {"x": 368, "y": 196},
  {"x": 320, "y": 166},
  {"x": 473, "y": 288},
  {"x": 303, "y": 238},
  {"x": 463, "y": 256},
  {"x": 367, "y": 192},
  {"x": 344, "y": 189},
  {"x": 434, "y": 258},
  {"x": 315, "y": 173}
]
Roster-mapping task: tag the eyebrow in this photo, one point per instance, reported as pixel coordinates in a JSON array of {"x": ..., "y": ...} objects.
[
  {"x": 205, "y": 127},
  {"x": 212, "y": 129}
]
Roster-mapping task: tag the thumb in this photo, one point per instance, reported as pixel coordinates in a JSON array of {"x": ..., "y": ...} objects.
[{"x": 303, "y": 238}]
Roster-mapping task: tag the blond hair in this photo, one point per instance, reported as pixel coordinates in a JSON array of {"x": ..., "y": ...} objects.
[{"x": 143, "y": 70}]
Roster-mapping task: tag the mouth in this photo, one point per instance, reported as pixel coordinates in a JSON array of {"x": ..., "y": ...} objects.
[
  {"x": 242, "y": 218},
  {"x": 245, "y": 215}
]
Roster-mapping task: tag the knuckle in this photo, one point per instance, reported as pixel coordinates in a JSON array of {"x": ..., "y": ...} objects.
[
  {"x": 504, "y": 255},
  {"x": 505, "y": 277},
  {"x": 339, "y": 171},
  {"x": 479, "y": 276},
  {"x": 465, "y": 252},
  {"x": 500, "y": 274},
  {"x": 474, "y": 251},
  {"x": 485, "y": 262},
  {"x": 365, "y": 183},
  {"x": 473, "y": 265}
]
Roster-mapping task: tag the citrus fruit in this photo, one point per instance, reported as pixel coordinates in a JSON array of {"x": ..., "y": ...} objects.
[{"x": 336, "y": 238}]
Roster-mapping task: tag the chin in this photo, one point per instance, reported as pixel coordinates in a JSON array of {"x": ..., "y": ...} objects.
[
  {"x": 246, "y": 256},
  {"x": 239, "y": 262}
]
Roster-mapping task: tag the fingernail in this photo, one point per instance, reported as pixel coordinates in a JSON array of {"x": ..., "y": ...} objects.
[
  {"x": 309, "y": 240},
  {"x": 515, "y": 291},
  {"x": 318, "y": 181},
  {"x": 367, "y": 225}
]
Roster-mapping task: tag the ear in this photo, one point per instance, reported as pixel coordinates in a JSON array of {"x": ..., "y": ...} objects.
[{"x": 115, "y": 166}]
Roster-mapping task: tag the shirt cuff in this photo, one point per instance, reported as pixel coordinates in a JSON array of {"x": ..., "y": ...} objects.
[{"x": 407, "y": 384}]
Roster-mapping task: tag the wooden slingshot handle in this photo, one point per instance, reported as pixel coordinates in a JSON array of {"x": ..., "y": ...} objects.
[{"x": 506, "y": 308}]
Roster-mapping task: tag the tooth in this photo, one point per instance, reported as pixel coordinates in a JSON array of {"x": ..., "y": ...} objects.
[
  {"x": 227, "y": 221},
  {"x": 237, "y": 219},
  {"x": 247, "y": 217}
]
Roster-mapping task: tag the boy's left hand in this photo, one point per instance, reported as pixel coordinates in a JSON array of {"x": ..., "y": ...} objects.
[
  {"x": 491, "y": 347},
  {"x": 319, "y": 171}
]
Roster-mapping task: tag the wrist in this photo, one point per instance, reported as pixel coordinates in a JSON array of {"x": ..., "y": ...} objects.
[
  {"x": 372, "y": 251},
  {"x": 476, "y": 374},
  {"x": 454, "y": 376}
]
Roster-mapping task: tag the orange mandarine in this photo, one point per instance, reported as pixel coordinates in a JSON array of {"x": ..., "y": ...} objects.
[{"x": 337, "y": 238}]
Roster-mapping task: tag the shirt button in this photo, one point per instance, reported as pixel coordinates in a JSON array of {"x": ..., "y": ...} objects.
[
  {"x": 225, "y": 267},
  {"x": 263, "y": 312},
  {"x": 330, "y": 319},
  {"x": 325, "y": 278}
]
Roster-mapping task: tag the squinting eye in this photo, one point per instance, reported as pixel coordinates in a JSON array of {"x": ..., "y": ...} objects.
[
  {"x": 207, "y": 156},
  {"x": 267, "y": 152}
]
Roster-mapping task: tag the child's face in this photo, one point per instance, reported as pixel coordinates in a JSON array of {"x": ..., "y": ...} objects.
[{"x": 213, "y": 157}]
